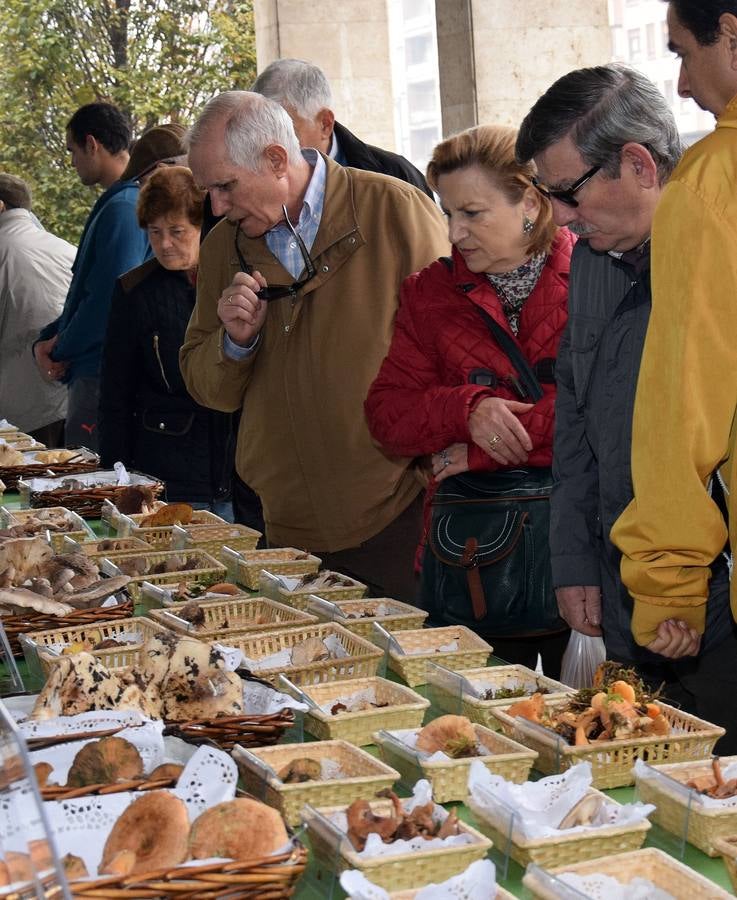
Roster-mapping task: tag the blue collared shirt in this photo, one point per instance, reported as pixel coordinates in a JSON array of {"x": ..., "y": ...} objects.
[{"x": 281, "y": 242}]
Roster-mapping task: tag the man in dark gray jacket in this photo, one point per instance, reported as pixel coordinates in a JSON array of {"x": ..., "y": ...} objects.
[{"x": 605, "y": 143}]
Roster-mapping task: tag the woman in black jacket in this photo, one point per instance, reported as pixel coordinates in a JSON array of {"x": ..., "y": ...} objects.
[{"x": 148, "y": 421}]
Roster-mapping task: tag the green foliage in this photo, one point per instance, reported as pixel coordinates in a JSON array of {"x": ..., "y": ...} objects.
[{"x": 159, "y": 60}]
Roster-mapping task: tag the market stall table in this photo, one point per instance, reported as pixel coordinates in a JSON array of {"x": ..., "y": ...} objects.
[{"x": 313, "y": 887}]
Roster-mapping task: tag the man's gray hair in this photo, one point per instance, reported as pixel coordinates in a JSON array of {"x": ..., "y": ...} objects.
[
  {"x": 252, "y": 123},
  {"x": 297, "y": 84},
  {"x": 602, "y": 109}
]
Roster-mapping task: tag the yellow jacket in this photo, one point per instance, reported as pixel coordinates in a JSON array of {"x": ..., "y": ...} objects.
[
  {"x": 303, "y": 443},
  {"x": 684, "y": 421}
]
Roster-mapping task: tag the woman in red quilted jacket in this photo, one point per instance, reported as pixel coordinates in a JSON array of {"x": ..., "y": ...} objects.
[{"x": 447, "y": 390}]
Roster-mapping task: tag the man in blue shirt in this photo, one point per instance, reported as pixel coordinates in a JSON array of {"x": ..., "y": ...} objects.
[{"x": 69, "y": 349}]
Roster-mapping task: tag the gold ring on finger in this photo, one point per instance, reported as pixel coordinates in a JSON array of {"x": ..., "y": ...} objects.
[
  {"x": 494, "y": 440},
  {"x": 229, "y": 300}
]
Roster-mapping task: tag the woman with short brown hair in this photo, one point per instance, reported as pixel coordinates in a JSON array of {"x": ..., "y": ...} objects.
[
  {"x": 148, "y": 421},
  {"x": 450, "y": 391}
]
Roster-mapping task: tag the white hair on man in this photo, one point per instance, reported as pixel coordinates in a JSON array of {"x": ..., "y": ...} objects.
[
  {"x": 252, "y": 123},
  {"x": 296, "y": 84}
]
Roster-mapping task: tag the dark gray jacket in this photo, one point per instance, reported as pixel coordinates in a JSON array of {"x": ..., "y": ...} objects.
[{"x": 596, "y": 373}]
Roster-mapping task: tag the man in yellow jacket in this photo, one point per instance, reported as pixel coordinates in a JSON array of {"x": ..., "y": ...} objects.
[{"x": 685, "y": 422}]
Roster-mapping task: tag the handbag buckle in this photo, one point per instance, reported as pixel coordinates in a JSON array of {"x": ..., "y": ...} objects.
[{"x": 470, "y": 558}]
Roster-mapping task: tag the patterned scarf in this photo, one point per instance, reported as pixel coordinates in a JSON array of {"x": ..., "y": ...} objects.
[{"x": 516, "y": 286}]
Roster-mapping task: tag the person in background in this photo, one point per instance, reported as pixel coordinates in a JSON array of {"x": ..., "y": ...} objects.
[
  {"x": 614, "y": 120},
  {"x": 304, "y": 92},
  {"x": 148, "y": 420},
  {"x": 35, "y": 271},
  {"x": 684, "y": 421},
  {"x": 446, "y": 388},
  {"x": 161, "y": 145},
  {"x": 296, "y": 298},
  {"x": 69, "y": 349}
]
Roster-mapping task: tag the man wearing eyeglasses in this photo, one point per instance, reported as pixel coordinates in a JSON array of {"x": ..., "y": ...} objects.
[
  {"x": 605, "y": 143},
  {"x": 297, "y": 292},
  {"x": 684, "y": 424}
]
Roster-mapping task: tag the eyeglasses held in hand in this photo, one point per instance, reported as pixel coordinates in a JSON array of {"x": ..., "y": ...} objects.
[
  {"x": 278, "y": 291},
  {"x": 566, "y": 195}
]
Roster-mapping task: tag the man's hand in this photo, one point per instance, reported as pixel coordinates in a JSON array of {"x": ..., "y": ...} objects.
[
  {"x": 580, "y": 606},
  {"x": 675, "y": 639},
  {"x": 494, "y": 426},
  {"x": 50, "y": 369},
  {"x": 451, "y": 461},
  {"x": 240, "y": 309}
]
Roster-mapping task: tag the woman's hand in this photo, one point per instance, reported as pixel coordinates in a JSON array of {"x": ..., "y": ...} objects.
[
  {"x": 494, "y": 426},
  {"x": 451, "y": 461},
  {"x": 240, "y": 309}
]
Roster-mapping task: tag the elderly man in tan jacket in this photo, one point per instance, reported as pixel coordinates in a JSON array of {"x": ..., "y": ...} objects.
[{"x": 297, "y": 291}]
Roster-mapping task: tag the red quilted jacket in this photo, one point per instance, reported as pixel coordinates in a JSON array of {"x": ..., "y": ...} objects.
[{"x": 420, "y": 401}]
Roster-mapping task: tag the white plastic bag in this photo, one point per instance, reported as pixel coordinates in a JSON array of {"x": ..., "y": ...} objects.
[{"x": 582, "y": 657}]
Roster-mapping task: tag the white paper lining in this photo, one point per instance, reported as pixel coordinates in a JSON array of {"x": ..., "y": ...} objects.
[
  {"x": 540, "y": 806},
  {"x": 643, "y": 772},
  {"x": 478, "y": 882},
  {"x": 604, "y": 887}
]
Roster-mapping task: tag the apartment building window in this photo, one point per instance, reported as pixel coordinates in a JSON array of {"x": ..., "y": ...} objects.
[
  {"x": 634, "y": 43},
  {"x": 414, "y": 9},
  {"x": 650, "y": 40},
  {"x": 421, "y": 99},
  {"x": 418, "y": 49}
]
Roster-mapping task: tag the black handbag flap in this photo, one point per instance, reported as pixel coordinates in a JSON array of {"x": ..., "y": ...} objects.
[
  {"x": 497, "y": 533},
  {"x": 167, "y": 422}
]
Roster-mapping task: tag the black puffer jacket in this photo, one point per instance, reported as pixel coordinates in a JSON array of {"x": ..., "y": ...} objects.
[{"x": 147, "y": 418}]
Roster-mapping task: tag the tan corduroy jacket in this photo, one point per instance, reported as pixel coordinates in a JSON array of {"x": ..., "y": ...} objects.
[
  {"x": 303, "y": 443},
  {"x": 685, "y": 420}
]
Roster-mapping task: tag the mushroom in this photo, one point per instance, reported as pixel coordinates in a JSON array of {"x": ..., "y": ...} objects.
[
  {"x": 97, "y": 592},
  {"x": 362, "y": 822},
  {"x": 22, "y": 558},
  {"x": 25, "y": 600}
]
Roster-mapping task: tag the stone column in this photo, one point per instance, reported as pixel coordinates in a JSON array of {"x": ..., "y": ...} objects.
[
  {"x": 497, "y": 57},
  {"x": 349, "y": 40}
]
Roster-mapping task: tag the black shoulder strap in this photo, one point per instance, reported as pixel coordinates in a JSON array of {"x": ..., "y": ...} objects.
[{"x": 528, "y": 380}]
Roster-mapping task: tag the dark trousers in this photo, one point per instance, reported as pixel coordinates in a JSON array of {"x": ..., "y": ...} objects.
[
  {"x": 52, "y": 434},
  {"x": 386, "y": 561},
  {"x": 705, "y": 686},
  {"x": 523, "y": 651},
  {"x": 81, "y": 425}
]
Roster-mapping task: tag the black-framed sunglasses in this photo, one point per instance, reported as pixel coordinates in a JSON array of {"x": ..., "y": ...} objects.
[
  {"x": 278, "y": 291},
  {"x": 566, "y": 195}
]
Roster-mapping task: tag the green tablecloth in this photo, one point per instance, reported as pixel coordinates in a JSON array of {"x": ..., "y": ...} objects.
[{"x": 315, "y": 887}]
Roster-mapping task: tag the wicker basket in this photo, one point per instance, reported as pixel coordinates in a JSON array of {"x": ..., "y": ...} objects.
[
  {"x": 29, "y": 622},
  {"x": 284, "y": 561},
  {"x": 362, "y": 660},
  {"x": 421, "y": 647},
  {"x": 127, "y": 545},
  {"x": 677, "y": 810},
  {"x": 207, "y": 571},
  {"x": 300, "y": 596},
  {"x": 87, "y": 501},
  {"x": 361, "y": 776},
  {"x": 562, "y": 849},
  {"x": 402, "y": 617},
  {"x": 226, "y": 732},
  {"x": 727, "y": 847},
  {"x": 270, "y": 878},
  {"x": 125, "y": 655},
  {"x": 406, "y": 709},
  {"x": 77, "y": 529},
  {"x": 401, "y": 871},
  {"x": 448, "y": 700},
  {"x": 11, "y": 474},
  {"x": 612, "y": 761},
  {"x": 449, "y": 778},
  {"x": 63, "y": 792},
  {"x": 212, "y": 538},
  {"x": 239, "y": 615},
  {"x": 501, "y": 894},
  {"x": 662, "y": 870}
]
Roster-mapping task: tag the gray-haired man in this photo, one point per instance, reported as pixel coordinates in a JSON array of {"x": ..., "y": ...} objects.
[
  {"x": 304, "y": 92},
  {"x": 605, "y": 143}
]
